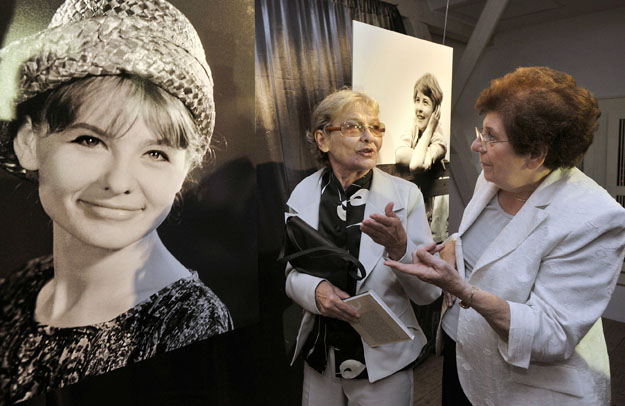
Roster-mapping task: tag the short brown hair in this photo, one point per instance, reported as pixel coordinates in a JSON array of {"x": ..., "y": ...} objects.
[
  {"x": 543, "y": 109},
  {"x": 332, "y": 106},
  {"x": 428, "y": 85}
]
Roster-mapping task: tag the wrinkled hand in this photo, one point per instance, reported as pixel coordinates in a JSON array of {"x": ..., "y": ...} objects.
[
  {"x": 387, "y": 231},
  {"x": 432, "y": 269},
  {"x": 330, "y": 303},
  {"x": 448, "y": 254},
  {"x": 434, "y": 119}
]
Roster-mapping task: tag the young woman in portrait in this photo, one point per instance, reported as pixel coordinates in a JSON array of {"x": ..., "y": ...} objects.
[{"x": 113, "y": 107}]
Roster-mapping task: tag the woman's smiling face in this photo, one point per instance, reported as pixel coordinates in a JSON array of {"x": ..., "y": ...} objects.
[
  {"x": 107, "y": 190},
  {"x": 423, "y": 107}
]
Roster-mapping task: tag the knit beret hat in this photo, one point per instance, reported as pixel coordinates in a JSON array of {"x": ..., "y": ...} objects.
[{"x": 148, "y": 38}]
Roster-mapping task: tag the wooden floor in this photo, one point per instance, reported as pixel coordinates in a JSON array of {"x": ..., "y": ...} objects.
[
  {"x": 428, "y": 375},
  {"x": 427, "y": 382}
]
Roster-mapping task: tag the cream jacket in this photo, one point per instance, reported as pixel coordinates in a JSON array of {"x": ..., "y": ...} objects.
[{"x": 556, "y": 263}]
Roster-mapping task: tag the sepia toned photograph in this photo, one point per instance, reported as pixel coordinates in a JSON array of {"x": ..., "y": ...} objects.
[{"x": 411, "y": 79}]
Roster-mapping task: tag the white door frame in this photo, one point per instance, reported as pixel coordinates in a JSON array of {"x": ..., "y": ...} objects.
[{"x": 601, "y": 163}]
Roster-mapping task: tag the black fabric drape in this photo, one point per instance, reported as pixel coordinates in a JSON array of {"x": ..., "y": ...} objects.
[
  {"x": 376, "y": 13},
  {"x": 303, "y": 53}
]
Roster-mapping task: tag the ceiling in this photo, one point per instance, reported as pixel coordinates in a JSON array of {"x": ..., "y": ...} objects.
[{"x": 521, "y": 13}]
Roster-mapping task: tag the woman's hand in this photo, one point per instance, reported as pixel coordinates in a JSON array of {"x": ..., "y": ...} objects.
[
  {"x": 422, "y": 157},
  {"x": 434, "y": 119},
  {"x": 330, "y": 303},
  {"x": 387, "y": 231},
  {"x": 434, "y": 270},
  {"x": 448, "y": 254}
]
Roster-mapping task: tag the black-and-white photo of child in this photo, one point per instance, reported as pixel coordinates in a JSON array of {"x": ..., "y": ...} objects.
[{"x": 108, "y": 112}]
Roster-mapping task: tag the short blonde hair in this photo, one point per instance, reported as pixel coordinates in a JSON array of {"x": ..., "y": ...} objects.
[
  {"x": 165, "y": 115},
  {"x": 331, "y": 107}
]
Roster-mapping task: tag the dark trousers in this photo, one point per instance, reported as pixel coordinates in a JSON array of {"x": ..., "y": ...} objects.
[{"x": 453, "y": 395}]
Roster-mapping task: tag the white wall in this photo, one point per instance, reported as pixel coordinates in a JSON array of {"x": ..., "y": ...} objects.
[{"x": 591, "y": 48}]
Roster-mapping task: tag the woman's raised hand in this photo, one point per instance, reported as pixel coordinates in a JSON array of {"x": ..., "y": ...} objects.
[
  {"x": 432, "y": 269},
  {"x": 330, "y": 303},
  {"x": 434, "y": 119},
  {"x": 386, "y": 229},
  {"x": 448, "y": 254}
]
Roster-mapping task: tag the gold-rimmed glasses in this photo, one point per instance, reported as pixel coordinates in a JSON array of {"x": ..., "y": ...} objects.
[
  {"x": 486, "y": 139},
  {"x": 353, "y": 128}
]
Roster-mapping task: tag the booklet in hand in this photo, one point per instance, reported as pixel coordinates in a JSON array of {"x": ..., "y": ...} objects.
[{"x": 378, "y": 324}]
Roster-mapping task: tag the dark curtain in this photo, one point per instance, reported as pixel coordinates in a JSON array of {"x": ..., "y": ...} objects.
[{"x": 303, "y": 53}]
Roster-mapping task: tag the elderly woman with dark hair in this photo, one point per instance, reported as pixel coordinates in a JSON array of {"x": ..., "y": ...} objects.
[
  {"x": 425, "y": 143},
  {"x": 538, "y": 251},
  {"x": 373, "y": 215}
]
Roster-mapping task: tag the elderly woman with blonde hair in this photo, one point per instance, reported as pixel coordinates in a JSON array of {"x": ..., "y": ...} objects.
[{"x": 373, "y": 215}]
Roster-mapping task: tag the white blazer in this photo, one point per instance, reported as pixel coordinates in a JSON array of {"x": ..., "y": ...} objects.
[
  {"x": 394, "y": 288},
  {"x": 556, "y": 263}
]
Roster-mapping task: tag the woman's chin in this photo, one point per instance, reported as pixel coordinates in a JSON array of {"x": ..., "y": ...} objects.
[
  {"x": 368, "y": 163},
  {"x": 104, "y": 239}
]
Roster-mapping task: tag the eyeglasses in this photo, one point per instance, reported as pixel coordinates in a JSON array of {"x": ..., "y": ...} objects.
[
  {"x": 487, "y": 138},
  {"x": 357, "y": 129}
]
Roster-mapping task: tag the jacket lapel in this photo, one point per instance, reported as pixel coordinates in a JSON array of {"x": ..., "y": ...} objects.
[
  {"x": 306, "y": 204},
  {"x": 381, "y": 193},
  {"x": 481, "y": 197},
  {"x": 531, "y": 215},
  {"x": 517, "y": 230}
]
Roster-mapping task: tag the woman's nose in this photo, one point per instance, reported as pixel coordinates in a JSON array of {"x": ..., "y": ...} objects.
[
  {"x": 476, "y": 146},
  {"x": 366, "y": 134},
  {"x": 118, "y": 177}
]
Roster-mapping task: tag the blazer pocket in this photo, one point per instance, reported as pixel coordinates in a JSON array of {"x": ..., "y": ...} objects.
[{"x": 558, "y": 378}]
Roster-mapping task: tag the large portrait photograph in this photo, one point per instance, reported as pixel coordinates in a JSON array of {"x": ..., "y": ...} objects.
[
  {"x": 411, "y": 79},
  {"x": 127, "y": 184}
]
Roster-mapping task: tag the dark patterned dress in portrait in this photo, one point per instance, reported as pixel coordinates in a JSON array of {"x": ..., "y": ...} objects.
[{"x": 35, "y": 358}]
